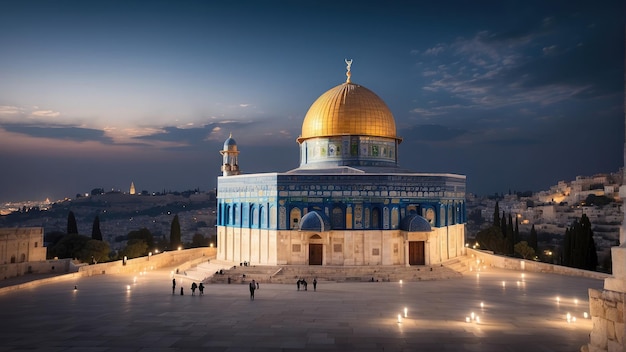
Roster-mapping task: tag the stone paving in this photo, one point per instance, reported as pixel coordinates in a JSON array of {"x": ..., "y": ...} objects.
[{"x": 140, "y": 313}]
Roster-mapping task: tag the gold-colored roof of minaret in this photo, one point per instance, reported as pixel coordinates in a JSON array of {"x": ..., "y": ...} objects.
[{"x": 348, "y": 109}]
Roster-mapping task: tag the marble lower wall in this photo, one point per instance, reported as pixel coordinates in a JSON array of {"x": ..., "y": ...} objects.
[{"x": 339, "y": 247}]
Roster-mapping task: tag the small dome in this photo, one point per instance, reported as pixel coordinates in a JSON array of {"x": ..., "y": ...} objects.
[
  {"x": 348, "y": 109},
  {"x": 415, "y": 223},
  {"x": 230, "y": 144},
  {"x": 315, "y": 221}
]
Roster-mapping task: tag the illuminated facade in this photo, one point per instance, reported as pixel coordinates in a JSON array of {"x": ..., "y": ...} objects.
[
  {"x": 20, "y": 245},
  {"x": 348, "y": 203}
]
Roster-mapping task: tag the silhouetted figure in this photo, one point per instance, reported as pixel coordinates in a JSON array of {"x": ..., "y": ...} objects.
[
  {"x": 252, "y": 288},
  {"x": 201, "y": 288},
  {"x": 181, "y": 290},
  {"x": 314, "y": 284},
  {"x": 298, "y": 284},
  {"x": 173, "y": 285},
  {"x": 193, "y": 288},
  {"x": 304, "y": 283}
]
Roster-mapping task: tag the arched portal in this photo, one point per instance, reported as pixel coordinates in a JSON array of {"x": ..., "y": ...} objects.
[{"x": 316, "y": 249}]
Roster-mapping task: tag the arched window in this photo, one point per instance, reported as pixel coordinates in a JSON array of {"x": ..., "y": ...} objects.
[
  {"x": 395, "y": 218},
  {"x": 263, "y": 217},
  {"x": 12, "y": 259},
  {"x": 273, "y": 217},
  {"x": 254, "y": 216},
  {"x": 294, "y": 218},
  {"x": 338, "y": 220},
  {"x": 22, "y": 258},
  {"x": 376, "y": 218},
  {"x": 226, "y": 220}
]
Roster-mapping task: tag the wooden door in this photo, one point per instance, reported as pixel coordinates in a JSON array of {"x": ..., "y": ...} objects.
[
  {"x": 416, "y": 253},
  {"x": 315, "y": 254}
]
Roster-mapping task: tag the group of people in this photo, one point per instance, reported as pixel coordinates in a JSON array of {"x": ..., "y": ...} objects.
[
  {"x": 194, "y": 286},
  {"x": 302, "y": 282}
]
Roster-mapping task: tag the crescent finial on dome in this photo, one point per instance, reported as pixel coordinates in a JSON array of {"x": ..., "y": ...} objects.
[{"x": 348, "y": 73}]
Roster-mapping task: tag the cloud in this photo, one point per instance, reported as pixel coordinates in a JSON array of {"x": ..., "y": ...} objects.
[
  {"x": 45, "y": 113},
  {"x": 59, "y": 132},
  {"x": 6, "y": 110},
  {"x": 436, "y": 50}
]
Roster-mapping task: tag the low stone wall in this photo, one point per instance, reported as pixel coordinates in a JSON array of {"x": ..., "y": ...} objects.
[
  {"x": 37, "y": 267},
  {"x": 165, "y": 259},
  {"x": 487, "y": 258},
  {"x": 181, "y": 260},
  {"x": 607, "y": 315}
]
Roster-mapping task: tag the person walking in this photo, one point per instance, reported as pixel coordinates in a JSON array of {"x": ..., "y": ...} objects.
[
  {"x": 173, "y": 285},
  {"x": 298, "y": 284},
  {"x": 315, "y": 284},
  {"x": 193, "y": 288},
  {"x": 252, "y": 288},
  {"x": 201, "y": 288}
]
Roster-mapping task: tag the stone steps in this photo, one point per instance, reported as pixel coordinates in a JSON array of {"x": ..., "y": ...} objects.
[{"x": 291, "y": 273}]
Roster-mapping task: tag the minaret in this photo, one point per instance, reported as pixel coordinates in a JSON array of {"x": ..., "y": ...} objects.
[
  {"x": 132, "y": 187},
  {"x": 230, "y": 166}
]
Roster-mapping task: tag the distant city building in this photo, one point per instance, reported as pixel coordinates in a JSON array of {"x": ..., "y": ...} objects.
[
  {"x": 22, "y": 244},
  {"x": 348, "y": 203}
]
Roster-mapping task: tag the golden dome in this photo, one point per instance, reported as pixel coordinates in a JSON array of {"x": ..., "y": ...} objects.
[{"x": 348, "y": 109}]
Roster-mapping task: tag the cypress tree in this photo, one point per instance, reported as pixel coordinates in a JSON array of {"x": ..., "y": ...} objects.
[
  {"x": 96, "y": 234},
  {"x": 503, "y": 224},
  {"x": 72, "y": 228},
  {"x": 496, "y": 215},
  {"x": 175, "y": 241},
  {"x": 516, "y": 227},
  {"x": 532, "y": 239},
  {"x": 510, "y": 235},
  {"x": 567, "y": 248}
]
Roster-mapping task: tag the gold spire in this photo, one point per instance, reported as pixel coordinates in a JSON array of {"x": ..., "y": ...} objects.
[{"x": 348, "y": 73}]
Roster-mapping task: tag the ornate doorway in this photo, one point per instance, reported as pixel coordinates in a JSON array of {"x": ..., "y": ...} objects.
[
  {"x": 416, "y": 253},
  {"x": 315, "y": 254}
]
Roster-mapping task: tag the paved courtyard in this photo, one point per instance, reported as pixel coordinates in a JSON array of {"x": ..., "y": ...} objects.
[{"x": 139, "y": 313}]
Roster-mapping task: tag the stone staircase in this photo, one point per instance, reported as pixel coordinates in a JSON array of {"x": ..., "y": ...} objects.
[{"x": 289, "y": 274}]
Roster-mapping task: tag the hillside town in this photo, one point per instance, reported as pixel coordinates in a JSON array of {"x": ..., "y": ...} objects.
[{"x": 552, "y": 211}]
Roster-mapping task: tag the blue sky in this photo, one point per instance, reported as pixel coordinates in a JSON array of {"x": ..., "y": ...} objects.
[{"x": 514, "y": 94}]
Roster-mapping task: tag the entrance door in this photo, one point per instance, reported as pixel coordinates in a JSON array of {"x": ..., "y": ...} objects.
[
  {"x": 315, "y": 254},
  {"x": 416, "y": 253}
]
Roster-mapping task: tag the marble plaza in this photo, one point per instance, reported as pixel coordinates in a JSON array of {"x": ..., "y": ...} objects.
[{"x": 493, "y": 310}]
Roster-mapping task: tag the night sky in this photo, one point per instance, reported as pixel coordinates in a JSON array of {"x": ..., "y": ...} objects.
[{"x": 514, "y": 94}]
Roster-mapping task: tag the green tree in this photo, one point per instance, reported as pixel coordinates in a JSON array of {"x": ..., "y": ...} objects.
[
  {"x": 510, "y": 236},
  {"x": 532, "y": 238},
  {"x": 72, "y": 228},
  {"x": 96, "y": 234},
  {"x": 198, "y": 240},
  {"x": 175, "y": 241},
  {"x": 524, "y": 250},
  {"x": 503, "y": 224},
  {"x": 496, "y": 215},
  {"x": 94, "y": 251},
  {"x": 579, "y": 248},
  {"x": 491, "y": 239},
  {"x": 142, "y": 234},
  {"x": 69, "y": 246},
  {"x": 135, "y": 248}
]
